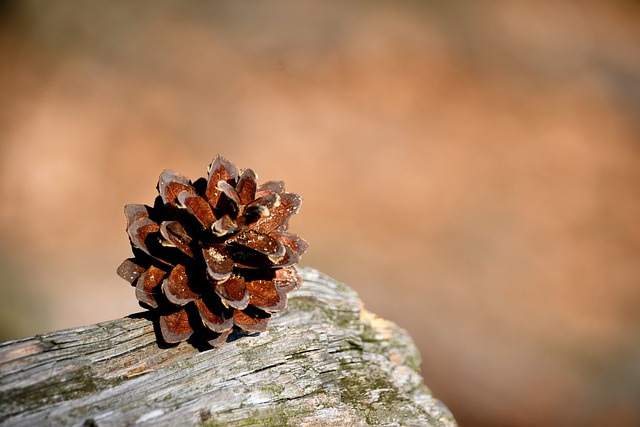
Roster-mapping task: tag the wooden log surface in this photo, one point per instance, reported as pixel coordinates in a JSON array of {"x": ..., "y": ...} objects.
[{"x": 325, "y": 361}]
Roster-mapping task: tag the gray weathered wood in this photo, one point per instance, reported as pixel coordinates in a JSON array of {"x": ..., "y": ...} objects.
[{"x": 325, "y": 361}]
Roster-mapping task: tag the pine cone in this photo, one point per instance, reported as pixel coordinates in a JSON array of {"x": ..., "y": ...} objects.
[{"x": 215, "y": 254}]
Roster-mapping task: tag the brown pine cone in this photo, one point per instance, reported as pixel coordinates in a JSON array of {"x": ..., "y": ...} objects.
[{"x": 214, "y": 254}]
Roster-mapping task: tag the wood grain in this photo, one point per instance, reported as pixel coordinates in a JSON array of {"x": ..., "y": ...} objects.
[{"x": 325, "y": 361}]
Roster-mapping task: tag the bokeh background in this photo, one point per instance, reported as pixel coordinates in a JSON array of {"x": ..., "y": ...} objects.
[{"x": 471, "y": 168}]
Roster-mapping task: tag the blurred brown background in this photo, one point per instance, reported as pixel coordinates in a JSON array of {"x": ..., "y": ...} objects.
[{"x": 471, "y": 168}]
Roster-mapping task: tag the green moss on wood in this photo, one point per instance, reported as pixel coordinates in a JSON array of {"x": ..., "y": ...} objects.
[{"x": 72, "y": 384}]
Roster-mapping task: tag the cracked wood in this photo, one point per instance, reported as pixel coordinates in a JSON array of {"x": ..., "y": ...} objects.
[{"x": 325, "y": 361}]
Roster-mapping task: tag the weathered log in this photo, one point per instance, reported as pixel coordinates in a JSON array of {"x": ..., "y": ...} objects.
[{"x": 324, "y": 362}]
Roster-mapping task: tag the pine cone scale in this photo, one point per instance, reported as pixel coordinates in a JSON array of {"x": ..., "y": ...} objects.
[
  {"x": 175, "y": 327},
  {"x": 130, "y": 271},
  {"x": 268, "y": 187},
  {"x": 140, "y": 230},
  {"x": 146, "y": 285},
  {"x": 233, "y": 292},
  {"x": 176, "y": 287},
  {"x": 289, "y": 258},
  {"x": 288, "y": 205},
  {"x": 296, "y": 243},
  {"x": 175, "y": 235},
  {"x": 287, "y": 279},
  {"x": 134, "y": 212},
  {"x": 247, "y": 186},
  {"x": 251, "y": 322},
  {"x": 219, "y": 264},
  {"x": 261, "y": 243},
  {"x": 266, "y": 296},
  {"x": 171, "y": 184},
  {"x": 198, "y": 207},
  {"x": 218, "y": 319},
  {"x": 220, "y": 170}
]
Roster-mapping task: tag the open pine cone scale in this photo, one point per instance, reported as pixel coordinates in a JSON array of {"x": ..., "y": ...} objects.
[{"x": 214, "y": 254}]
